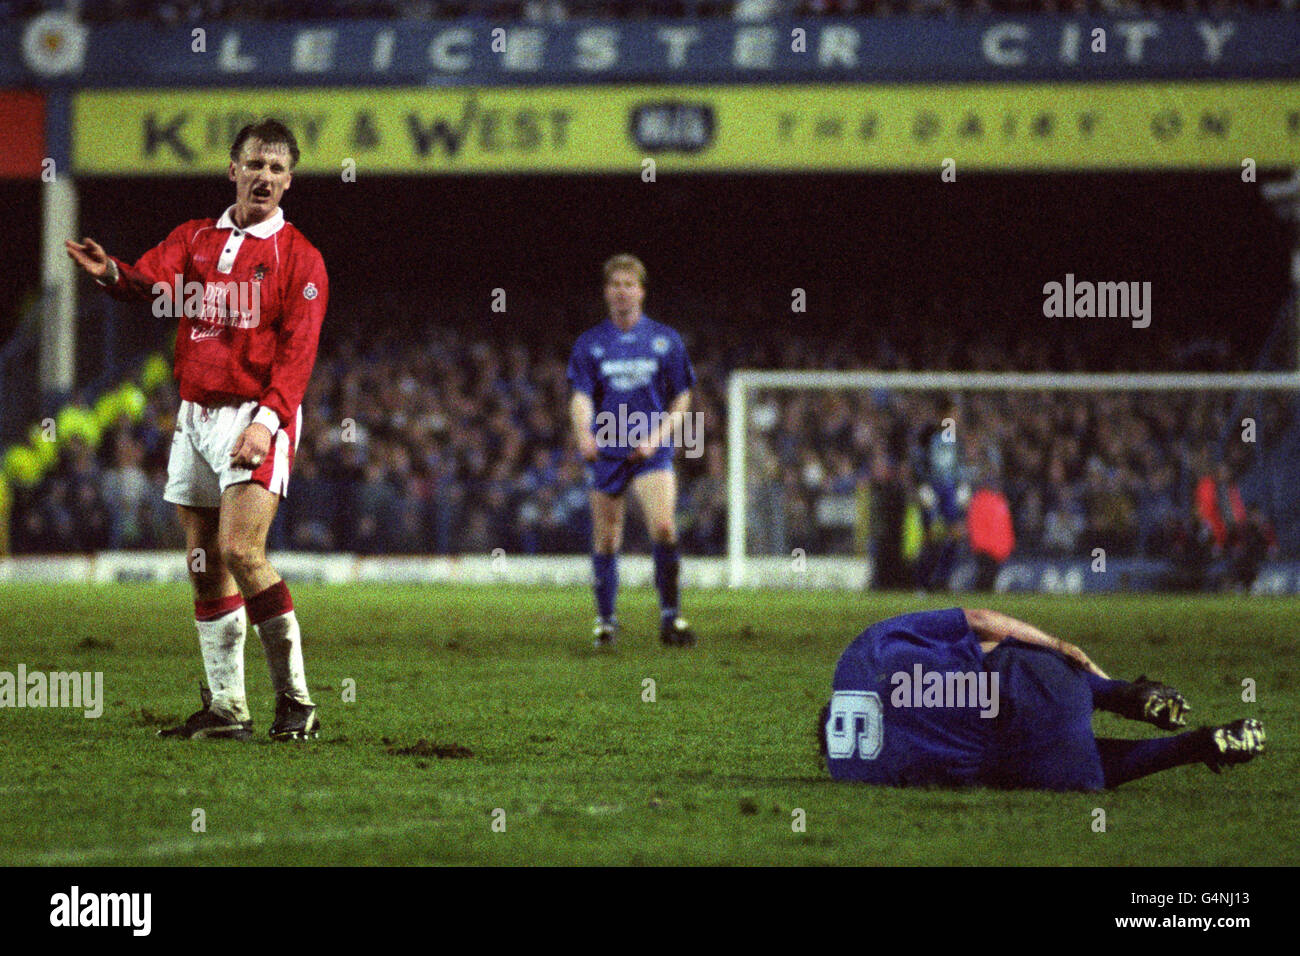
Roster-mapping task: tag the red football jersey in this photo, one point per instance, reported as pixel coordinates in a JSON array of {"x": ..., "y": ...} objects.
[{"x": 252, "y": 302}]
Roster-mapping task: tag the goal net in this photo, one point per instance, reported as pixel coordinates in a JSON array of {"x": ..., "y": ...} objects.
[{"x": 1066, "y": 482}]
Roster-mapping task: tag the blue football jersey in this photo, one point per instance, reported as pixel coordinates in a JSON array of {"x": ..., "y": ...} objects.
[
  {"x": 629, "y": 375},
  {"x": 883, "y": 730}
]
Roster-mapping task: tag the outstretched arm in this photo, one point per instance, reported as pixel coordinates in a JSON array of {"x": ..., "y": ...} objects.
[
  {"x": 154, "y": 276},
  {"x": 92, "y": 259},
  {"x": 995, "y": 627}
]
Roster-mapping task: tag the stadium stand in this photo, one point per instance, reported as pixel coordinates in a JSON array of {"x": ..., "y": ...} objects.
[{"x": 461, "y": 445}]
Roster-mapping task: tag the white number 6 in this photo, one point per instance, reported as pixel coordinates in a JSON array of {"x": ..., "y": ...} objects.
[{"x": 855, "y": 725}]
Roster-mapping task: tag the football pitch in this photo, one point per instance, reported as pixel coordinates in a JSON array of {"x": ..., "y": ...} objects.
[{"x": 486, "y": 730}]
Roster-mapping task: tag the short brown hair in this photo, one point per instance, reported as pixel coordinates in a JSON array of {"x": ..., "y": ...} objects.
[
  {"x": 271, "y": 133},
  {"x": 625, "y": 262}
]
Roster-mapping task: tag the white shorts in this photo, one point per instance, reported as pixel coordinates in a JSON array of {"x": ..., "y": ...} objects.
[{"x": 199, "y": 468}]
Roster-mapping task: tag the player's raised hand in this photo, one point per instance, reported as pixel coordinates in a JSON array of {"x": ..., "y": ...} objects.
[
  {"x": 90, "y": 255},
  {"x": 250, "y": 451}
]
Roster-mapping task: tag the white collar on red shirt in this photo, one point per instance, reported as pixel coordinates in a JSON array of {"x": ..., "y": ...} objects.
[{"x": 263, "y": 230}]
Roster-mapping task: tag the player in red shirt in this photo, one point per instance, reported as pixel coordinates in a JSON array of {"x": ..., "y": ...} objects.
[{"x": 250, "y": 293}]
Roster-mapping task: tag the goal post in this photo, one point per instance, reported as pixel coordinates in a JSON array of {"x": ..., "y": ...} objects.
[{"x": 743, "y": 385}]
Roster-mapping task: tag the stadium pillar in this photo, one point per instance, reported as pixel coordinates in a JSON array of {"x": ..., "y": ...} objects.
[
  {"x": 58, "y": 358},
  {"x": 1295, "y": 280},
  {"x": 1295, "y": 299},
  {"x": 1284, "y": 195}
]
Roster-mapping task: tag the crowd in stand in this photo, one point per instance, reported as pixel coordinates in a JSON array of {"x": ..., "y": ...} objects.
[
  {"x": 446, "y": 444},
  {"x": 542, "y": 11},
  {"x": 1132, "y": 473}
]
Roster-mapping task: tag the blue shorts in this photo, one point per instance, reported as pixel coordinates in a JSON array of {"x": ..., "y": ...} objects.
[
  {"x": 611, "y": 475},
  {"x": 1042, "y": 736}
]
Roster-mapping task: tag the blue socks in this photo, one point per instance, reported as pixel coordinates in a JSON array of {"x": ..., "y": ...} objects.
[
  {"x": 667, "y": 564},
  {"x": 1125, "y": 760},
  {"x": 605, "y": 567},
  {"x": 1105, "y": 692}
]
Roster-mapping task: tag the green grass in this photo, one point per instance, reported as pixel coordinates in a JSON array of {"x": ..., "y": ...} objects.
[{"x": 586, "y": 772}]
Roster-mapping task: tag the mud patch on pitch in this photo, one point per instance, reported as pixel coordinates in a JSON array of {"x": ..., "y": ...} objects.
[
  {"x": 144, "y": 717},
  {"x": 427, "y": 748}
]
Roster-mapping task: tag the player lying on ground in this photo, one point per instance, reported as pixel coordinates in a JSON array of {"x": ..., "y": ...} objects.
[
  {"x": 974, "y": 697},
  {"x": 242, "y": 368},
  {"x": 631, "y": 369}
]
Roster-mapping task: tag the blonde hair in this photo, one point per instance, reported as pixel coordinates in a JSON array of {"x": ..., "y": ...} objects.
[{"x": 625, "y": 262}]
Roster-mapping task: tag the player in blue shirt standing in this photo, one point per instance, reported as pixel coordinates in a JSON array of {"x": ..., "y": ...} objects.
[
  {"x": 631, "y": 383},
  {"x": 975, "y": 697}
]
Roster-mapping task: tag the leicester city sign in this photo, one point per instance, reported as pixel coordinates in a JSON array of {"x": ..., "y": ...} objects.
[{"x": 55, "y": 48}]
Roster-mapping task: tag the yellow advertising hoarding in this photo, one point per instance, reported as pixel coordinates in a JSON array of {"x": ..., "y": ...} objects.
[{"x": 1193, "y": 125}]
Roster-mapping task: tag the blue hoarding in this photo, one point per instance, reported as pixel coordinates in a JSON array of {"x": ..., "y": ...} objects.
[{"x": 55, "y": 49}]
